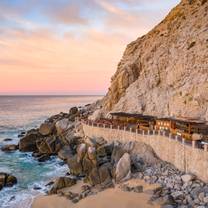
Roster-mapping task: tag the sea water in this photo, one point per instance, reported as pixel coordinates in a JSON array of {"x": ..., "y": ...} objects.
[{"x": 20, "y": 113}]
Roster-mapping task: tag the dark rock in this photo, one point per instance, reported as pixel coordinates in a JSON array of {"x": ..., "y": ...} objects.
[
  {"x": 73, "y": 110},
  {"x": 36, "y": 154},
  {"x": 87, "y": 165},
  {"x": 7, "y": 140},
  {"x": 7, "y": 180},
  {"x": 28, "y": 142},
  {"x": 65, "y": 153},
  {"x": 37, "y": 187},
  {"x": 3, "y": 179},
  {"x": 50, "y": 183},
  {"x": 74, "y": 166},
  {"x": 61, "y": 183},
  {"x": 43, "y": 158},
  {"x": 9, "y": 148},
  {"x": 126, "y": 188},
  {"x": 138, "y": 189},
  {"x": 11, "y": 180},
  {"x": 75, "y": 200},
  {"x": 93, "y": 177},
  {"x": 105, "y": 175},
  {"x": 49, "y": 145}
]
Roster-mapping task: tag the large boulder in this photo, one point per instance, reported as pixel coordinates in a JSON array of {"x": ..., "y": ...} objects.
[
  {"x": 46, "y": 128},
  {"x": 75, "y": 166},
  {"x": 28, "y": 142},
  {"x": 49, "y": 145},
  {"x": 123, "y": 168},
  {"x": 62, "y": 182},
  {"x": 87, "y": 165},
  {"x": 105, "y": 175},
  {"x": 63, "y": 125},
  {"x": 93, "y": 177},
  {"x": 65, "y": 153},
  {"x": 117, "y": 153}
]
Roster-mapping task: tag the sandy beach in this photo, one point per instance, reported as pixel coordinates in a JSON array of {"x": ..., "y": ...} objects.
[{"x": 113, "y": 197}]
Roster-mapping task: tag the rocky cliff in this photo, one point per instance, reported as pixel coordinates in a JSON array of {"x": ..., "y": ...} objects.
[{"x": 165, "y": 72}]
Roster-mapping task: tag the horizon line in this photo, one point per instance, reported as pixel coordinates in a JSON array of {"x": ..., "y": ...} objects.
[{"x": 1, "y": 95}]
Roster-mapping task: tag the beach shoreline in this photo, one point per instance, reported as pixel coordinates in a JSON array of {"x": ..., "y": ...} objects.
[{"x": 112, "y": 197}]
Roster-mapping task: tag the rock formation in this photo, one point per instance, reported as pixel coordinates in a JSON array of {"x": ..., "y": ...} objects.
[{"x": 164, "y": 73}]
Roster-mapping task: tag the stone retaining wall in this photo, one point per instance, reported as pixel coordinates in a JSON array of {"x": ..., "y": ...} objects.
[{"x": 184, "y": 157}]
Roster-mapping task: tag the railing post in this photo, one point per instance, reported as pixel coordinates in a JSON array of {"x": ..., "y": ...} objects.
[
  {"x": 170, "y": 135},
  {"x": 130, "y": 129},
  {"x": 148, "y": 132},
  {"x": 205, "y": 147},
  {"x": 153, "y": 132},
  {"x": 118, "y": 127},
  {"x": 111, "y": 126},
  {"x": 193, "y": 144},
  {"x": 183, "y": 141},
  {"x": 124, "y": 128},
  {"x": 103, "y": 125},
  {"x": 143, "y": 132},
  {"x": 136, "y": 131},
  {"x": 163, "y": 133}
]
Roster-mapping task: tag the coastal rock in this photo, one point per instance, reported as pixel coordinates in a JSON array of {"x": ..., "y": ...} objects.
[
  {"x": 7, "y": 180},
  {"x": 74, "y": 166},
  {"x": 73, "y": 110},
  {"x": 28, "y": 142},
  {"x": 7, "y": 140},
  {"x": 117, "y": 153},
  {"x": 46, "y": 128},
  {"x": 123, "y": 168},
  {"x": 63, "y": 125},
  {"x": 164, "y": 73},
  {"x": 9, "y": 148},
  {"x": 87, "y": 165},
  {"x": 93, "y": 177},
  {"x": 62, "y": 182},
  {"x": 49, "y": 145},
  {"x": 65, "y": 153},
  {"x": 43, "y": 158},
  {"x": 105, "y": 175}
]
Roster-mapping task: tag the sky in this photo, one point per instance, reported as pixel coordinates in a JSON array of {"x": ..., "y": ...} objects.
[{"x": 69, "y": 46}]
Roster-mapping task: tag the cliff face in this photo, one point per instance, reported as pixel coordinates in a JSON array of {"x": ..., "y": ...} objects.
[{"x": 165, "y": 73}]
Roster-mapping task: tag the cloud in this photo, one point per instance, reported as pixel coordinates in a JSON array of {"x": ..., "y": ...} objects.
[
  {"x": 62, "y": 45},
  {"x": 67, "y": 14}
]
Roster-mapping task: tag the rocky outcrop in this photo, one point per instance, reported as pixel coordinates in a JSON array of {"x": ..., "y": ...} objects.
[
  {"x": 55, "y": 136},
  {"x": 164, "y": 73},
  {"x": 28, "y": 142}
]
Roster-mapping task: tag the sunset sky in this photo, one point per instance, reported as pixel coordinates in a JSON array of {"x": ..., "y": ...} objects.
[{"x": 69, "y": 46}]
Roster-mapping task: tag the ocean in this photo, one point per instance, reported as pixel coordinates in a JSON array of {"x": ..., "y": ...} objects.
[{"x": 20, "y": 113}]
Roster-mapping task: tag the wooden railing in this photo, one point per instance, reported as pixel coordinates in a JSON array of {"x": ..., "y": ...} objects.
[{"x": 194, "y": 144}]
